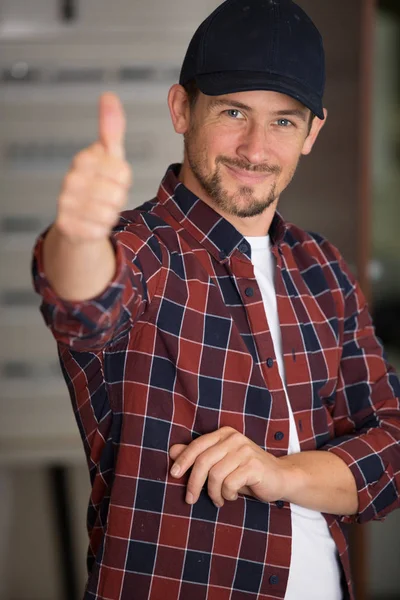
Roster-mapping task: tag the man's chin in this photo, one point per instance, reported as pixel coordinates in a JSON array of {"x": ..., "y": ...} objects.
[
  {"x": 245, "y": 198},
  {"x": 247, "y": 212},
  {"x": 244, "y": 207}
]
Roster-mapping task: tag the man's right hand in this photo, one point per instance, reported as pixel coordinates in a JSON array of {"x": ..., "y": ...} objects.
[
  {"x": 95, "y": 188},
  {"x": 78, "y": 257}
]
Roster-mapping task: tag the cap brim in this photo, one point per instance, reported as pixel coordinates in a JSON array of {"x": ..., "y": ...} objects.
[{"x": 229, "y": 82}]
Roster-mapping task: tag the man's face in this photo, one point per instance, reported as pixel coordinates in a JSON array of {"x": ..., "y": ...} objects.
[{"x": 242, "y": 149}]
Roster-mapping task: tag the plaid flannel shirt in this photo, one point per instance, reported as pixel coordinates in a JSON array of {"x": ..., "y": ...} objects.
[{"x": 177, "y": 346}]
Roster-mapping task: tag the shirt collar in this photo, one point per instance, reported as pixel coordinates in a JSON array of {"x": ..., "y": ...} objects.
[{"x": 212, "y": 230}]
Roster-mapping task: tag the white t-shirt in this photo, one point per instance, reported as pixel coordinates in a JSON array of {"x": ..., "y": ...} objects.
[{"x": 314, "y": 569}]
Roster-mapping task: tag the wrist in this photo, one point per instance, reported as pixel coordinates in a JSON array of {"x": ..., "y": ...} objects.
[
  {"x": 77, "y": 271},
  {"x": 294, "y": 479},
  {"x": 60, "y": 237}
]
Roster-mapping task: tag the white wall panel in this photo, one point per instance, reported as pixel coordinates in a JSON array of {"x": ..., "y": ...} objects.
[
  {"x": 27, "y": 341},
  {"x": 19, "y": 17},
  {"x": 52, "y": 75}
]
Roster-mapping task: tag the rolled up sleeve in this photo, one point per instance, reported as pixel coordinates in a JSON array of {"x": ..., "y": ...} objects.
[
  {"x": 90, "y": 325},
  {"x": 367, "y": 412}
]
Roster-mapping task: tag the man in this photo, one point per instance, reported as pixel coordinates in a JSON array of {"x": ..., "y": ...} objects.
[{"x": 235, "y": 406}]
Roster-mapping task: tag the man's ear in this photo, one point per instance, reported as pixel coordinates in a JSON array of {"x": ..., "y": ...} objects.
[
  {"x": 179, "y": 108},
  {"x": 316, "y": 127}
]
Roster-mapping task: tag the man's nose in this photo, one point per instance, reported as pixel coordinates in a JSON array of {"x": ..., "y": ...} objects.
[{"x": 254, "y": 145}]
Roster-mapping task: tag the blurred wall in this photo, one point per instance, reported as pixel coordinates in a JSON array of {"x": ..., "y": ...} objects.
[{"x": 325, "y": 194}]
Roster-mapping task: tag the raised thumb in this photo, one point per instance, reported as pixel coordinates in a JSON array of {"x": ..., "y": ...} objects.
[{"x": 112, "y": 124}]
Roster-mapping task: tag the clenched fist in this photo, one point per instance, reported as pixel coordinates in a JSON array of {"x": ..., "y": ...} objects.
[{"x": 95, "y": 188}]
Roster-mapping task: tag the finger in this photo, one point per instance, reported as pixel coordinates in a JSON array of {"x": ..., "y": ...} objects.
[
  {"x": 201, "y": 469},
  {"x": 86, "y": 160},
  {"x": 192, "y": 451},
  {"x": 117, "y": 172},
  {"x": 218, "y": 474},
  {"x": 235, "y": 483},
  {"x": 93, "y": 190},
  {"x": 112, "y": 125},
  {"x": 176, "y": 450},
  {"x": 245, "y": 491},
  {"x": 105, "y": 192},
  {"x": 245, "y": 480},
  {"x": 95, "y": 160},
  {"x": 110, "y": 169}
]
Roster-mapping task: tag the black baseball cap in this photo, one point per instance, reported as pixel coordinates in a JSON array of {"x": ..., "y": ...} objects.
[{"x": 258, "y": 45}]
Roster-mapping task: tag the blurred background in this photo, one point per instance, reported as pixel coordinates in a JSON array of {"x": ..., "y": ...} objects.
[{"x": 56, "y": 57}]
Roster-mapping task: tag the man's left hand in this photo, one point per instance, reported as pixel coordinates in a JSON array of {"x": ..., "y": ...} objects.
[{"x": 233, "y": 464}]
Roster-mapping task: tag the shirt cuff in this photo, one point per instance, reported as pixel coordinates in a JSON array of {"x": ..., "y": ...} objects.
[
  {"x": 92, "y": 315},
  {"x": 377, "y": 487}
]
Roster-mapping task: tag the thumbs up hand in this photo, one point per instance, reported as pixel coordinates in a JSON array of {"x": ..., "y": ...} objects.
[{"x": 96, "y": 186}]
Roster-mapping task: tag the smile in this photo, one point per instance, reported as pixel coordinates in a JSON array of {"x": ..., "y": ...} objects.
[{"x": 247, "y": 177}]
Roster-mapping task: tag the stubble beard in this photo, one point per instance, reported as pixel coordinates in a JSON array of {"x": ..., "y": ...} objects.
[{"x": 243, "y": 203}]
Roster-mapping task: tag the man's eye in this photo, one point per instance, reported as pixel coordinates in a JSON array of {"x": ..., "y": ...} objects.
[
  {"x": 284, "y": 122},
  {"x": 234, "y": 113}
]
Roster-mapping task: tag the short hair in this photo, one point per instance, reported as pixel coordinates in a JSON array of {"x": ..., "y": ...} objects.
[
  {"x": 310, "y": 123},
  {"x": 192, "y": 91}
]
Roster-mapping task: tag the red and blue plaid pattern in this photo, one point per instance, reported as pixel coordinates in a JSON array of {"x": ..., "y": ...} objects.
[{"x": 178, "y": 346}]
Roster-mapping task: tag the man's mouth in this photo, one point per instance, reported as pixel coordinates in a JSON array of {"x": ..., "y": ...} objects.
[{"x": 247, "y": 177}]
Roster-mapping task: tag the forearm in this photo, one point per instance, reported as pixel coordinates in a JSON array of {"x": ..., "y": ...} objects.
[
  {"x": 77, "y": 271},
  {"x": 320, "y": 481}
]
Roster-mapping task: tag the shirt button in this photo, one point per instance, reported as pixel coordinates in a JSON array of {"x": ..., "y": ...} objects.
[
  {"x": 270, "y": 363},
  {"x": 280, "y": 503},
  {"x": 249, "y": 292},
  {"x": 243, "y": 248},
  {"x": 274, "y": 579},
  {"x": 222, "y": 255},
  {"x": 279, "y": 436}
]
